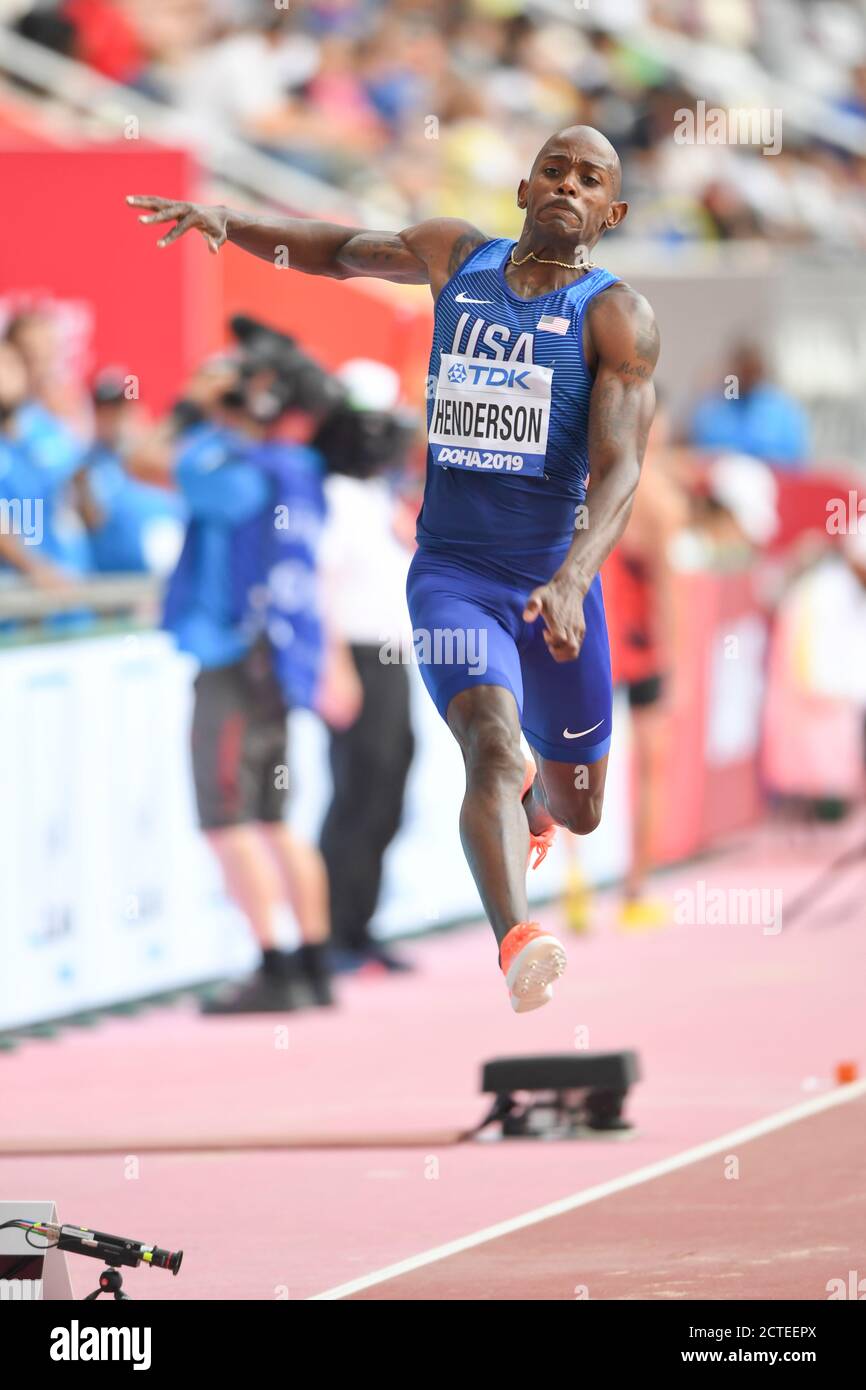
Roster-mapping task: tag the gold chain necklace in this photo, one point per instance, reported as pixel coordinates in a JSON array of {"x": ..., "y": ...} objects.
[{"x": 584, "y": 265}]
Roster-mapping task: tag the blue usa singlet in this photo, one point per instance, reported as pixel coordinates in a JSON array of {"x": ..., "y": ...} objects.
[
  {"x": 508, "y": 411},
  {"x": 508, "y": 406}
]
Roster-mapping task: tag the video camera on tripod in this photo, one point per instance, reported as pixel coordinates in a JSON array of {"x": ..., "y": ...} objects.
[
  {"x": 114, "y": 1251},
  {"x": 275, "y": 376}
]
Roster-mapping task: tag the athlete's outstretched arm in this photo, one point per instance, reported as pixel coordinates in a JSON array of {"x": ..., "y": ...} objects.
[
  {"x": 623, "y": 344},
  {"x": 428, "y": 253}
]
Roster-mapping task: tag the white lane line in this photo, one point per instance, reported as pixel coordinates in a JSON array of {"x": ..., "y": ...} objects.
[{"x": 846, "y": 1093}]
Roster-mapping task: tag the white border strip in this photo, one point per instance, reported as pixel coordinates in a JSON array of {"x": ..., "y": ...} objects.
[{"x": 844, "y": 1094}]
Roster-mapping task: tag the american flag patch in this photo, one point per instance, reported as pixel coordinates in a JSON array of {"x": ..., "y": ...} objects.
[{"x": 548, "y": 323}]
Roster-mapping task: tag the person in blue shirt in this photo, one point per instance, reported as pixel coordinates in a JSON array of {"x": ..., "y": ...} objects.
[
  {"x": 133, "y": 526},
  {"x": 30, "y": 547},
  {"x": 222, "y": 490},
  {"x": 52, "y": 446},
  {"x": 47, "y": 454},
  {"x": 225, "y": 606},
  {"x": 761, "y": 419}
]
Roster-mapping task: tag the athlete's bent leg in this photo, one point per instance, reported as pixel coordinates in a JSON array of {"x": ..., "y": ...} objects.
[
  {"x": 493, "y": 829},
  {"x": 481, "y": 701},
  {"x": 567, "y": 794},
  {"x": 567, "y": 721}
]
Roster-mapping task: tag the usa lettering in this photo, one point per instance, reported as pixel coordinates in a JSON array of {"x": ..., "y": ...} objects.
[{"x": 496, "y": 338}]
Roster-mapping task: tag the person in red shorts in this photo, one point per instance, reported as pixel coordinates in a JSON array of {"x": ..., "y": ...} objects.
[{"x": 637, "y": 590}]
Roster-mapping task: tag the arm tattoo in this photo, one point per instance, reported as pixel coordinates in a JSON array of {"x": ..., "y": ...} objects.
[
  {"x": 646, "y": 341},
  {"x": 381, "y": 254},
  {"x": 646, "y": 348},
  {"x": 385, "y": 252},
  {"x": 371, "y": 252},
  {"x": 619, "y": 418},
  {"x": 634, "y": 369},
  {"x": 610, "y": 415}
]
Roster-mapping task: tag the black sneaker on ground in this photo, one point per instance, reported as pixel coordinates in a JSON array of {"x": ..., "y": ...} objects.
[
  {"x": 315, "y": 973},
  {"x": 262, "y": 993}
]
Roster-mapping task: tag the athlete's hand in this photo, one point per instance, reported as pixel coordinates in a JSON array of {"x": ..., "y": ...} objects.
[
  {"x": 188, "y": 217},
  {"x": 560, "y": 604}
]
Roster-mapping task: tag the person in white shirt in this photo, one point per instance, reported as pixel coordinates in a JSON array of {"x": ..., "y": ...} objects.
[{"x": 363, "y": 572}]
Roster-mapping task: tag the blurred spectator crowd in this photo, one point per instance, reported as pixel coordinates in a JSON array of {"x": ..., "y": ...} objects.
[
  {"x": 73, "y": 506},
  {"x": 438, "y": 110}
]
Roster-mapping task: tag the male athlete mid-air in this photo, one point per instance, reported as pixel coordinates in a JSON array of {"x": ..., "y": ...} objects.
[{"x": 540, "y": 398}]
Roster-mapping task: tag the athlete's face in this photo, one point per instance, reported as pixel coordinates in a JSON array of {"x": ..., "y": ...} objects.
[{"x": 571, "y": 195}]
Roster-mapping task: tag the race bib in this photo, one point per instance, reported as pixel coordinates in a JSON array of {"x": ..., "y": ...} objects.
[{"x": 491, "y": 417}]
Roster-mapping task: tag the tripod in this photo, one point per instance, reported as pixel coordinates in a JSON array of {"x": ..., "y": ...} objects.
[{"x": 110, "y": 1281}]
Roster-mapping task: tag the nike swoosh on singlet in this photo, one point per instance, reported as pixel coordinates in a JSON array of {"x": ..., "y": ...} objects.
[
  {"x": 566, "y": 734},
  {"x": 462, "y": 298}
]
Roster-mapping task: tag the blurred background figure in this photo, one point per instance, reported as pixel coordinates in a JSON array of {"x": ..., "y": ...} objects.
[
  {"x": 46, "y": 452},
  {"x": 134, "y": 527},
  {"x": 23, "y": 521},
  {"x": 234, "y": 472},
  {"x": 733, "y": 517},
  {"x": 751, "y": 415},
  {"x": 364, "y": 567},
  {"x": 814, "y": 749},
  {"x": 638, "y": 589},
  {"x": 56, "y": 404}
]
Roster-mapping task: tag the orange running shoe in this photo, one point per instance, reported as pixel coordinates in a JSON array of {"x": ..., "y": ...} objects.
[
  {"x": 531, "y": 960},
  {"x": 538, "y": 844}
]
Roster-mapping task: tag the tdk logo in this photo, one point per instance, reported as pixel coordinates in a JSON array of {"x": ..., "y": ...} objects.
[{"x": 488, "y": 376}]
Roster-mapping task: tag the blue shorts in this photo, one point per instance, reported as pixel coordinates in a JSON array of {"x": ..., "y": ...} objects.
[{"x": 468, "y": 629}]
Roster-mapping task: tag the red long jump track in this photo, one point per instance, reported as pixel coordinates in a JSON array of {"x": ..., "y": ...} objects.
[
  {"x": 777, "y": 1215},
  {"x": 147, "y": 1125}
]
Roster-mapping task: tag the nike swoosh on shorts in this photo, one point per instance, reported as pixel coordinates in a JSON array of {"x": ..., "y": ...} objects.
[{"x": 566, "y": 734}]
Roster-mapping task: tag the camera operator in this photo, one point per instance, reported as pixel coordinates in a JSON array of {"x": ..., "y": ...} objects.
[
  {"x": 242, "y": 600},
  {"x": 364, "y": 567}
]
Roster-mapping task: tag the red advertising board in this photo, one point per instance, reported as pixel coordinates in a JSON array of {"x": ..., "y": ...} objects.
[
  {"x": 709, "y": 783},
  {"x": 79, "y": 245}
]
